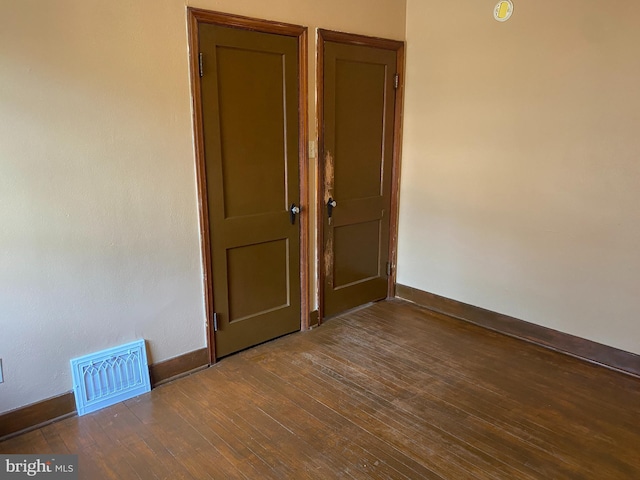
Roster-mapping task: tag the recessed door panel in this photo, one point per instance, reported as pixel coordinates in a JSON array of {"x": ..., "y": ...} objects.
[
  {"x": 258, "y": 269},
  {"x": 250, "y": 122},
  {"x": 249, "y": 103},
  {"x": 359, "y": 127},
  {"x": 356, "y": 260}
]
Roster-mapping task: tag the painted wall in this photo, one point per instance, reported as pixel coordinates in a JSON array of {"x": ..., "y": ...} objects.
[
  {"x": 521, "y": 171},
  {"x": 99, "y": 238}
]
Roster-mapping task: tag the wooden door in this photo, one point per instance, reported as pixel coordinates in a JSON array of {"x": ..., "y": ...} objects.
[
  {"x": 358, "y": 110},
  {"x": 250, "y": 128}
]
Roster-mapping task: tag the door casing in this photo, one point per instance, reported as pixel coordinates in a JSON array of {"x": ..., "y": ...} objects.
[
  {"x": 398, "y": 47},
  {"x": 195, "y": 17}
]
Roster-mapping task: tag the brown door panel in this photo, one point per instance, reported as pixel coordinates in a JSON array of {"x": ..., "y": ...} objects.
[
  {"x": 250, "y": 119},
  {"x": 356, "y": 251},
  {"x": 358, "y": 122}
]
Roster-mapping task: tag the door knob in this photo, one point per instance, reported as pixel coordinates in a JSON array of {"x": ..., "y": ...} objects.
[
  {"x": 331, "y": 204},
  {"x": 292, "y": 213}
]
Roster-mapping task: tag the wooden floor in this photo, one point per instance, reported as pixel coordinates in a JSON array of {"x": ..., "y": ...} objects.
[{"x": 389, "y": 391}]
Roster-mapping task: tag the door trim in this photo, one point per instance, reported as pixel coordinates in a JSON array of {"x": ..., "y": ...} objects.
[
  {"x": 195, "y": 17},
  {"x": 386, "y": 44}
]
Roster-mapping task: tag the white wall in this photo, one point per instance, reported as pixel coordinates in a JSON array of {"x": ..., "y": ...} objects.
[
  {"x": 521, "y": 172},
  {"x": 99, "y": 238}
]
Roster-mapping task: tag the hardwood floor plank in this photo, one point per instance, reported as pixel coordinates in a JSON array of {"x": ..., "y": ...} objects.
[
  {"x": 370, "y": 413},
  {"x": 220, "y": 429},
  {"x": 321, "y": 413},
  {"x": 251, "y": 421},
  {"x": 189, "y": 449},
  {"x": 523, "y": 391},
  {"x": 55, "y": 442},
  {"x": 28, "y": 443},
  {"x": 391, "y": 391},
  {"x": 417, "y": 387},
  {"x": 633, "y": 410}
]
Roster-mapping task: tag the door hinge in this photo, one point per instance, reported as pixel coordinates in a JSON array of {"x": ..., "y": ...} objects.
[
  {"x": 215, "y": 322},
  {"x": 396, "y": 81},
  {"x": 388, "y": 269},
  {"x": 200, "y": 64}
]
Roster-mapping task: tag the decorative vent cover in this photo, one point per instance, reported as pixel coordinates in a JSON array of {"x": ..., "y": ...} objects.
[{"x": 103, "y": 378}]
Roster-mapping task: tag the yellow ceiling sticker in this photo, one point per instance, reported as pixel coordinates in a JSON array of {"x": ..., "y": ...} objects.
[{"x": 503, "y": 10}]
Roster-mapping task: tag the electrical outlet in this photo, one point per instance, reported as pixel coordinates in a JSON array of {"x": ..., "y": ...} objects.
[{"x": 1, "y": 376}]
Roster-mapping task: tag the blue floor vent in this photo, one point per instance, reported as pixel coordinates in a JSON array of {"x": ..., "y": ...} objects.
[{"x": 103, "y": 378}]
